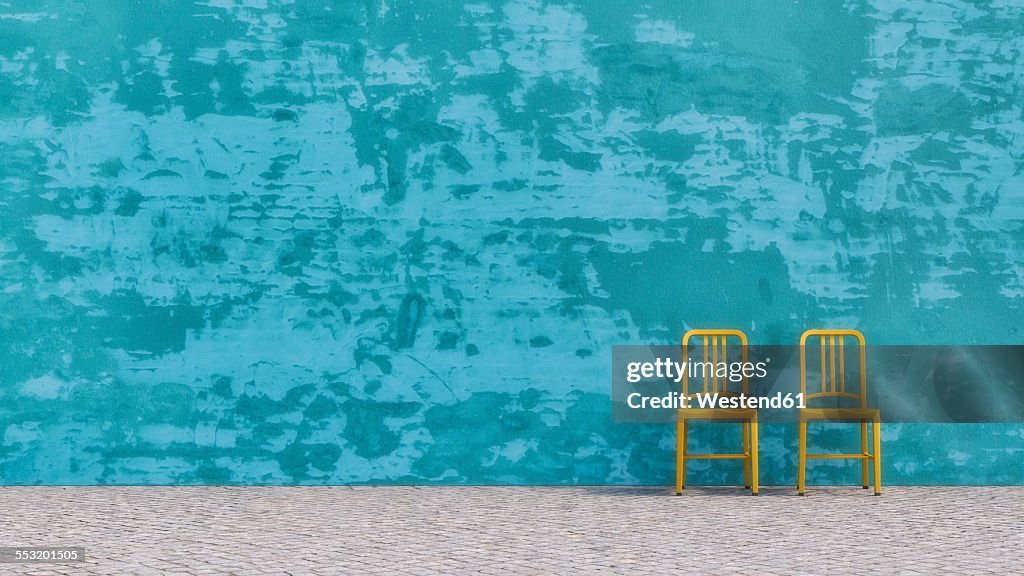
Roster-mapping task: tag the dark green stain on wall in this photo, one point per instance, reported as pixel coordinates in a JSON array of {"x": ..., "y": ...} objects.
[{"x": 730, "y": 289}]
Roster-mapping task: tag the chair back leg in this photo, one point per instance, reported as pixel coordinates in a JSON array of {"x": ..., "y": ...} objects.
[
  {"x": 746, "y": 450},
  {"x": 864, "y": 450}
]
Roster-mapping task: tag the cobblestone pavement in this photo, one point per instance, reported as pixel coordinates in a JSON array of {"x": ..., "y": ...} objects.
[{"x": 478, "y": 530}]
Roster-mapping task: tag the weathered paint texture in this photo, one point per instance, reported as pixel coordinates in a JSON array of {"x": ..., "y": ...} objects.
[{"x": 261, "y": 241}]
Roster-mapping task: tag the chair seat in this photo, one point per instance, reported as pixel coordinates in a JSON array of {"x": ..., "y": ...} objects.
[
  {"x": 715, "y": 414},
  {"x": 839, "y": 414}
]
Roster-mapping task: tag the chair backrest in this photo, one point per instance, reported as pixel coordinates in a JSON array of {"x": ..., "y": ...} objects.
[
  {"x": 833, "y": 364},
  {"x": 716, "y": 351}
]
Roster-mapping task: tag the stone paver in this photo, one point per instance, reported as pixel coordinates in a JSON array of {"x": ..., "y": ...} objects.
[{"x": 517, "y": 530}]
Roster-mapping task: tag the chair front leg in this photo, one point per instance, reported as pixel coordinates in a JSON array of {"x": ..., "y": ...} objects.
[
  {"x": 680, "y": 456},
  {"x": 876, "y": 432},
  {"x": 801, "y": 470},
  {"x": 753, "y": 455}
]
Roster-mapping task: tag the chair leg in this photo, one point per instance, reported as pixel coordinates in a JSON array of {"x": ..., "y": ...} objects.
[
  {"x": 753, "y": 455},
  {"x": 746, "y": 450},
  {"x": 802, "y": 459},
  {"x": 680, "y": 456},
  {"x": 876, "y": 433},
  {"x": 864, "y": 450}
]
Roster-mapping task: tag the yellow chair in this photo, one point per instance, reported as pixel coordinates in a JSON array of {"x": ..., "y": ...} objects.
[
  {"x": 715, "y": 351},
  {"x": 835, "y": 350}
]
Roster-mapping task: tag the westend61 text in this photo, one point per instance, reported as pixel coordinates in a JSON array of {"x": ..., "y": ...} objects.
[{"x": 676, "y": 400}]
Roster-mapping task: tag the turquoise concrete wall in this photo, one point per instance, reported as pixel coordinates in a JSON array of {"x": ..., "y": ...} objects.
[{"x": 394, "y": 241}]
